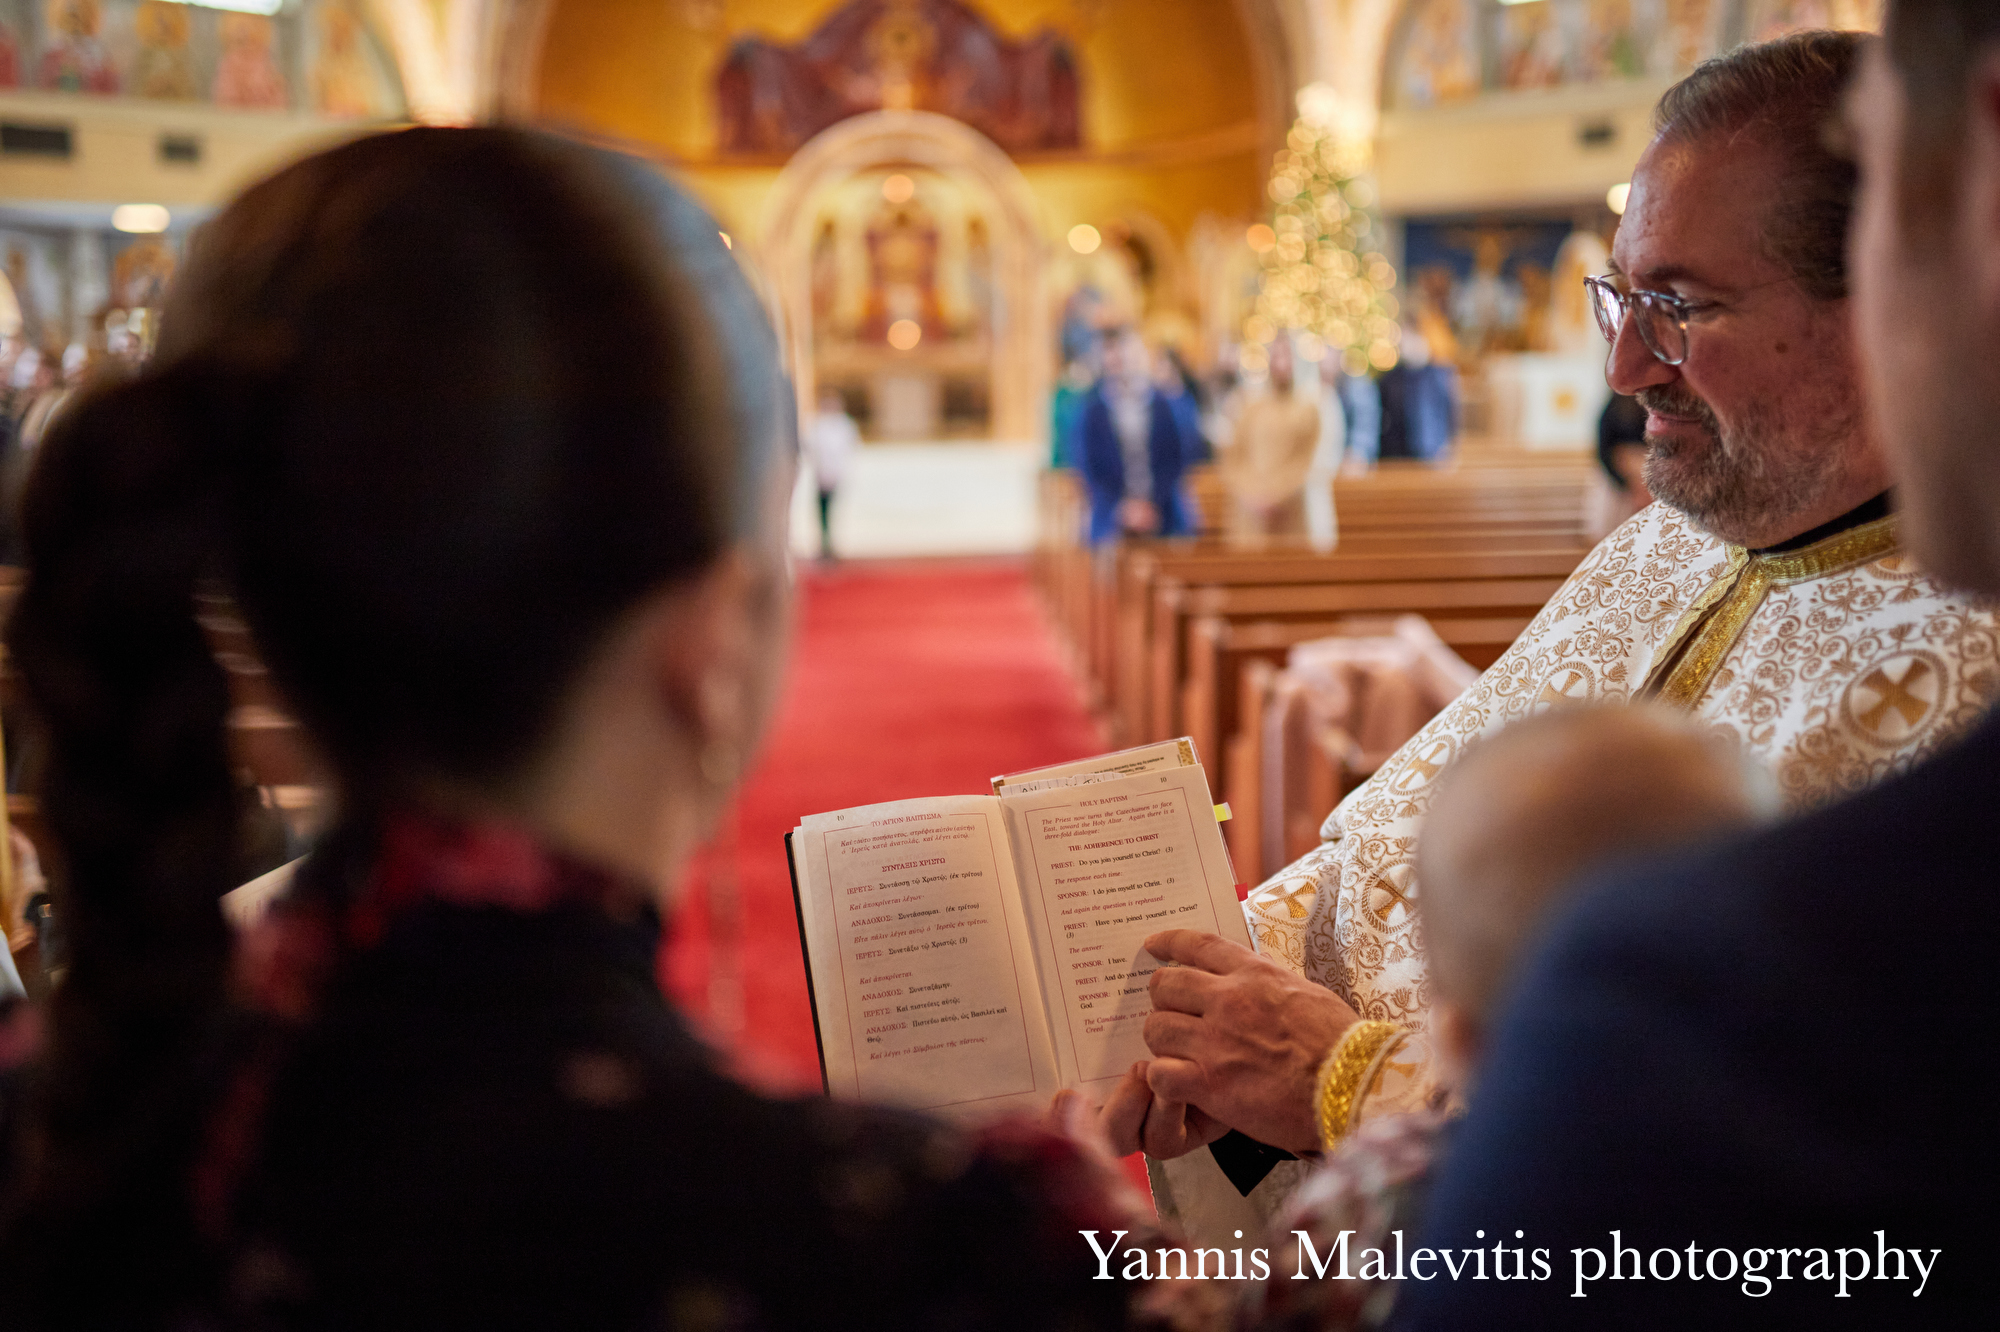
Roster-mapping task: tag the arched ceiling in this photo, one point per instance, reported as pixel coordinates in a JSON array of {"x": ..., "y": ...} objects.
[{"x": 1152, "y": 71}]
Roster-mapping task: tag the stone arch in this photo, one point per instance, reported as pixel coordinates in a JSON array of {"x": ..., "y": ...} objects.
[{"x": 1022, "y": 345}]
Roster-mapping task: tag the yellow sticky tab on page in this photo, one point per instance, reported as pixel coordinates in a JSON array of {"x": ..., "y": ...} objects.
[{"x": 1222, "y": 814}]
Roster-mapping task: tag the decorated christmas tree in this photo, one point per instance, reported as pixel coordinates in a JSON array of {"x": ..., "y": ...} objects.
[{"x": 1322, "y": 273}]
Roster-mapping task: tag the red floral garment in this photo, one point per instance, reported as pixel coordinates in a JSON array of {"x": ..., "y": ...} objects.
[{"x": 481, "y": 1070}]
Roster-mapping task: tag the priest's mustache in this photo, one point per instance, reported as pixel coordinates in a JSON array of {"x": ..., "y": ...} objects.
[{"x": 1674, "y": 400}]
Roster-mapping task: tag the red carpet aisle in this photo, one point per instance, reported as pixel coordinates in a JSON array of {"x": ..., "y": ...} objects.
[{"x": 908, "y": 679}]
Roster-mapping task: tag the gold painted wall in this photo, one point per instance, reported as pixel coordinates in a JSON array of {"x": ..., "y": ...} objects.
[
  {"x": 1153, "y": 70},
  {"x": 1169, "y": 106}
]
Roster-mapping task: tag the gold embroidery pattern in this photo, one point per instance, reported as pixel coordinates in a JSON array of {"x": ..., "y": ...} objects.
[
  {"x": 1792, "y": 688},
  {"x": 1710, "y": 630},
  {"x": 1897, "y": 698}
]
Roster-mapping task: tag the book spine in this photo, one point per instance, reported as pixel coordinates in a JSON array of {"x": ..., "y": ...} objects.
[{"x": 805, "y": 956}]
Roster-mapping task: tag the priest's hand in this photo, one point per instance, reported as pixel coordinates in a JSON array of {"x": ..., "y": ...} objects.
[
  {"x": 1238, "y": 1038},
  {"x": 1134, "y": 1119}
]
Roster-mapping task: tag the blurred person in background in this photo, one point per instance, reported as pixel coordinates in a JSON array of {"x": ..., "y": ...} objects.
[
  {"x": 1618, "y": 490},
  {"x": 1179, "y": 382},
  {"x": 1419, "y": 404},
  {"x": 1079, "y": 375},
  {"x": 485, "y": 435},
  {"x": 831, "y": 439},
  {"x": 1329, "y": 455},
  {"x": 1134, "y": 445},
  {"x": 1271, "y": 450},
  {"x": 1361, "y": 406}
]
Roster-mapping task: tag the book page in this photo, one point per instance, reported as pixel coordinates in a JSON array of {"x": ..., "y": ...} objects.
[
  {"x": 923, "y": 972},
  {"x": 1103, "y": 865},
  {"x": 1124, "y": 763}
]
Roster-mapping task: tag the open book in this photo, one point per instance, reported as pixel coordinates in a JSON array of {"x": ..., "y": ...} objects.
[{"x": 978, "y": 953}]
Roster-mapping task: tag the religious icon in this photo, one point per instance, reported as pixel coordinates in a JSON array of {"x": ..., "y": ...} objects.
[
  {"x": 1689, "y": 34},
  {"x": 141, "y": 272},
  {"x": 1531, "y": 47},
  {"x": 248, "y": 73},
  {"x": 1432, "y": 288},
  {"x": 164, "y": 66},
  {"x": 1610, "y": 45},
  {"x": 343, "y": 82},
  {"x": 1570, "y": 324},
  {"x": 1858, "y": 15},
  {"x": 1486, "y": 285},
  {"x": 902, "y": 269},
  {"x": 1775, "y": 18},
  {"x": 76, "y": 59},
  {"x": 1489, "y": 304},
  {"x": 928, "y": 55},
  {"x": 979, "y": 273},
  {"x": 902, "y": 44},
  {"x": 1441, "y": 59},
  {"x": 824, "y": 269},
  {"x": 10, "y": 56}
]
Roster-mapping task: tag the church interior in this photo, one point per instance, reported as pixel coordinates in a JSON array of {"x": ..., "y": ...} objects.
[
  {"x": 941, "y": 203},
  {"x": 963, "y": 219},
  {"x": 944, "y": 203}
]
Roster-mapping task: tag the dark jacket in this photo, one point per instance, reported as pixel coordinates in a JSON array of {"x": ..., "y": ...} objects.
[
  {"x": 1783, "y": 1041},
  {"x": 1419, "y": 411},
  {"x": 1172, "y": 443},
  {"x": 497, "y": 1122}
]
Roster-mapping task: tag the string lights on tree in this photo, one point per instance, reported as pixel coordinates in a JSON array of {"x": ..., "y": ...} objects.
[{"x": 1321, "y": 271}]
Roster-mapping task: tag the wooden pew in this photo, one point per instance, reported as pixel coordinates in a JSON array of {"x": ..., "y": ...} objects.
[
  {"x": 1241, "y": 663},
  {"x": 1435, "y": 586},
  {"x": 1130, "y": 605},
  {"x": 1506, "y": 483},
  {"x": 1109, "y": 604},
  {"x": 1220, "y": 650},
  {"x": 1331, "y": 767},
  {"x": 1524, "y": 492}
]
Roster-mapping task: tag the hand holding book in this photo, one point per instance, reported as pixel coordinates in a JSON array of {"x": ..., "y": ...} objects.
[{"x": 976, "y": 953}]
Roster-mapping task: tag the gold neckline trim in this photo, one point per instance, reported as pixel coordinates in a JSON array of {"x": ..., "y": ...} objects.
[
  {"x": 1835, "y": 554},
  {"x": 1694, "y": 651}
]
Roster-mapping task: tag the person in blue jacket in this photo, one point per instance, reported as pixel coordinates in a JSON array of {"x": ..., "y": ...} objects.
[
  {"x": 1419, "y": 404},
  {"x": 1134, "y": 447}
]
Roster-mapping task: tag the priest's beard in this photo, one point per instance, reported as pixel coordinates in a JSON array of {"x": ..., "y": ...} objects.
[{"x": 1755, "y": 482}]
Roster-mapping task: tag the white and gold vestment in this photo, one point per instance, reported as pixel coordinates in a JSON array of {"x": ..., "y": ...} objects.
[{"x": 1836, "y": 665}]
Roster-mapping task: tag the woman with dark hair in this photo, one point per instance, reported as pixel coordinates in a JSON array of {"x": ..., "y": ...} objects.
[{"x": 485, "y": 435}]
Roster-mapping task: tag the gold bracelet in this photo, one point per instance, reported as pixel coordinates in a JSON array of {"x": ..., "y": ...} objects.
[{"x": 1339, "y": 1086}]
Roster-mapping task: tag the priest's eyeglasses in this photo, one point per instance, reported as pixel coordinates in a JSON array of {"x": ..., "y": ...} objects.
[{"x": 1663, "y": 319}]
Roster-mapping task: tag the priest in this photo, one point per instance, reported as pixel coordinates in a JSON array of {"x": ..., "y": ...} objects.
[{"x": 1767, "y": 593}]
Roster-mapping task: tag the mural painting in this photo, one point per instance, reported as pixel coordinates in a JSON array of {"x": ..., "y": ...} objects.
[
  {"x": 927, "y": 55},
  {"x": 1483, "y": 285},
  {"x": 314, "y": 55},
  {"x": 1449, "y": 50}
]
